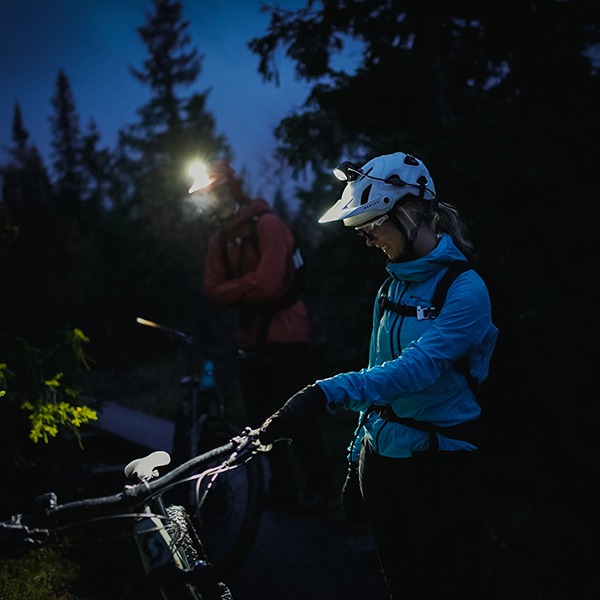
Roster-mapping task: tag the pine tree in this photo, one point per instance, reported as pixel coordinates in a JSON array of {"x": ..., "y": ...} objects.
[
  {"x": 169, "y": 64},
  {"x": 27, "y": 194},
  {"x": 20, "y": 137},
  {"x": 25, "y": 183},
  {"x": 70, "y": 289},
  {"x": 280, "y": 207},
  {"x": 66, "y": 144},
  {"x": 150, "y": 191},
  {"x": 97, "y": 165}
]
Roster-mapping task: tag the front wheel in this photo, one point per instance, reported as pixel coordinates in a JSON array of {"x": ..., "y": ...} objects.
[
  {"x": 229, "y": 518},
  {"x": 194, "y": 578}
]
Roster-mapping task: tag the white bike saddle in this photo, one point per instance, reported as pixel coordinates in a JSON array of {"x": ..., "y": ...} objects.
[{"x": 144, "y": 467}]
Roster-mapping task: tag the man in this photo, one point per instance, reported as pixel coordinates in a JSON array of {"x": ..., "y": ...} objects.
[{"x": 253, "y": 265}]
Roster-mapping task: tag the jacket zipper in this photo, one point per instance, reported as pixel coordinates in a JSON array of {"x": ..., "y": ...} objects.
[{"x": 392, "y": 328}]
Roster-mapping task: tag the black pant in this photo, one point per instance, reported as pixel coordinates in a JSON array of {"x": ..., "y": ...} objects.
[
  {"x": 270, "y": 376},
  {"x": 425, "y": 513}
]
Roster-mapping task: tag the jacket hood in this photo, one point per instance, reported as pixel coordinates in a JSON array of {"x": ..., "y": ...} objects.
[{"x": 421, "y": 269}]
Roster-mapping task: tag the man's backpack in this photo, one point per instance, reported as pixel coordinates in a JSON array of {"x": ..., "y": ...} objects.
[{"x": 290, "y": 298}]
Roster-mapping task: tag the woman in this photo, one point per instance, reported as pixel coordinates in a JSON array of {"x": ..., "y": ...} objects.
[{"x": 416, "y": 445}]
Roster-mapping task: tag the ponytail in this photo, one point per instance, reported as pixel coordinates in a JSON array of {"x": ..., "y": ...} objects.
[
  {"x": 443, "y": 218},
  {"x": 446, "y": 219}
]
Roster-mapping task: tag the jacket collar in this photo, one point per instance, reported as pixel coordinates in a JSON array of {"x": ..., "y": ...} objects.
[
  {"x": 247, "y": 211},
  {"x": 421, "y": 269}
]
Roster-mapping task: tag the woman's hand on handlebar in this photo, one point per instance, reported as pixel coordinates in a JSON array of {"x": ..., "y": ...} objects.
[{"x": 298, "y": 412}]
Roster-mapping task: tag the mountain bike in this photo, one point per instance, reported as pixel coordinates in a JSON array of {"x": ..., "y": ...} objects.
[
  {"x": 173, "y": 553},
  {"x": 229, "y": 517}
]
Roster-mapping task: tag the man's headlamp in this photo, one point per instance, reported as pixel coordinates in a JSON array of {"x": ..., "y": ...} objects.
[{"x": 201, "y": 179}]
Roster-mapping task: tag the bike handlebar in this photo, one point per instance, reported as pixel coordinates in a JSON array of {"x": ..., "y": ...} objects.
[
  {"x": 177, "y": 335},
  {"x": 20, "y": 533},
  {"x": 186, "y": 339}
]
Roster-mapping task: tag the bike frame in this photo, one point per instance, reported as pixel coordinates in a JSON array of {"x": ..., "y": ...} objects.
[{"x": 159, "y": 551}]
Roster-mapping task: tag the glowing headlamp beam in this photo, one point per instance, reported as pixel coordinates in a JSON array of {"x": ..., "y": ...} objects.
[{"x": 201, "y": 179}]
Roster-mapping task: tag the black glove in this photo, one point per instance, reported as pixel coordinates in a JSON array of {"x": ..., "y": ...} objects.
[
  {"x": 298, "y": 412},
  {"x": 352, "y": 500}
]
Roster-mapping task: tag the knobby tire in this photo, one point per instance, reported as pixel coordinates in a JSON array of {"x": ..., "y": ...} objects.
[
  {"x": 230, "y": 517},
  {"x": 186, "y": 542}
]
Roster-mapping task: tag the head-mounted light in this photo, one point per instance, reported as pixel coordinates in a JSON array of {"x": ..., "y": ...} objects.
[
  {"x": 201, "y": 179},
  {"x": 347, "y": 171}
]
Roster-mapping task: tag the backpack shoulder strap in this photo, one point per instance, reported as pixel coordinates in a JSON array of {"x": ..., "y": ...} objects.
[
  {"x": 384, "y": 302},
  {"x": 439, "y": 295},
  {"x": 254, "y": 229},
  {"x": 441, "y": 291},
  {"x": 225, "y": 254},
  {"x": 437, "y": 302},
  {"x": 252, "y": 238}
]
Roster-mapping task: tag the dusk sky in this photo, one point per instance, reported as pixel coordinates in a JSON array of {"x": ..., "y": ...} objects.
[{"x": 94, "y": 42}]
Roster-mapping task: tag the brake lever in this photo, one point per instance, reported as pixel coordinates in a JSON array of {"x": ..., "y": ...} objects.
[{"x": 248, "y": 442}]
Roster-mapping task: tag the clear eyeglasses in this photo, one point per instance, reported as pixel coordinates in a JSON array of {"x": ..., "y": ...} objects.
[{"x": 368, "y": 229}]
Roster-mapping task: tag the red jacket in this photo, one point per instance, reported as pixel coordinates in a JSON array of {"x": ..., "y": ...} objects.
[{"x": 253, "y": 282}]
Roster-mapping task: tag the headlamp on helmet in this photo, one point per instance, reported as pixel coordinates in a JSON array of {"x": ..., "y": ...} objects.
[
  {"x": 347, "y": 171},
  {"x": 374, "y": 189}
]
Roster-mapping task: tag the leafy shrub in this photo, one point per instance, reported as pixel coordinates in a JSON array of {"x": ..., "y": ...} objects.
[{"x": 43, "y": 574}]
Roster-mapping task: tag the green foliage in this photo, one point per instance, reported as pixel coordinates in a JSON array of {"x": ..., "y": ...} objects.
[
  {"x": 43, "y": 574},
  {"x": 5, "y": 375},
  {"x": 53, "y": 401},
  {"x": 76, "y": 339},
  {"x": 46, "y": 417}
]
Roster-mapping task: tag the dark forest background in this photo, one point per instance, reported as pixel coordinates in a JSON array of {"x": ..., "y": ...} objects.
[{"x": 499, "y": 99}]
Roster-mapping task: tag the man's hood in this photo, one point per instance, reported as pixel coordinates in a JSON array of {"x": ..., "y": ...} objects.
[{"x": 246, "y": 211}]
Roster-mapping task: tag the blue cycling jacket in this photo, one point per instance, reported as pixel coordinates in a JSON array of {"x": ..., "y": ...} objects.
[{"x": 411, "y": 361}]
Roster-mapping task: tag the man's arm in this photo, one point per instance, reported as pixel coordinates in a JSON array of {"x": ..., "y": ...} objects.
[{"x": 265, "y": 284}]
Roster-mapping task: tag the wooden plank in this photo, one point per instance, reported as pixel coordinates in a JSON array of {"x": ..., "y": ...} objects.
[{"x": 145, "y": 430}]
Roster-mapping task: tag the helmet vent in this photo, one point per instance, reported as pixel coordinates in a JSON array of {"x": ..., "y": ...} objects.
[
  {"x": 411, "y": 160},
  {"x": 395, "y": 180},
  {"x": 364, "y": 198}
]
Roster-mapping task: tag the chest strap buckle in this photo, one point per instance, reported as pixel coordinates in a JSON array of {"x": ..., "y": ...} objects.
[{"x": 425, "y": 313}]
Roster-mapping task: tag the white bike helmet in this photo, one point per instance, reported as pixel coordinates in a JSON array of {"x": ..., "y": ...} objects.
[{"x": 374, "y": 189}]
